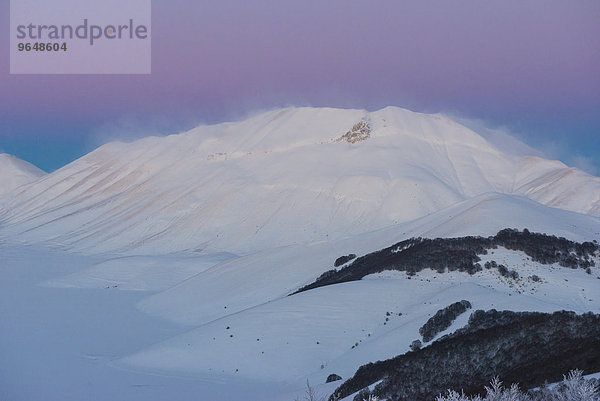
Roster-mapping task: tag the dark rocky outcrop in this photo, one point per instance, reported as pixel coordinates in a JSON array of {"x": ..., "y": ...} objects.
[
  {"x": 359, "y": 132},
  {"x": 519, "y": 347}
]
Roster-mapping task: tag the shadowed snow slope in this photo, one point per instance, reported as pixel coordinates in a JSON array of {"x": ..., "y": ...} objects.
[
  {"x": 289, "y": 176},
  {"x": 139, "y": 273},
  {"x": 14, "y": 173}
]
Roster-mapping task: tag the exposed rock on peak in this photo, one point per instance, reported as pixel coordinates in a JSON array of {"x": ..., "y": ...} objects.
[{"x": 360, "y": 131}]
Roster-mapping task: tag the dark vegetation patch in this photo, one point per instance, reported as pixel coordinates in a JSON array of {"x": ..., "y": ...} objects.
[
  {"x": 333, "y": 377},
  {"x": 343, "y": 259},
  {"x": 416, "y": 345},
  {"x": 461, "y": 254},
  {"x": 519, "y": 347},
  {"x": 443, "y": 319}
]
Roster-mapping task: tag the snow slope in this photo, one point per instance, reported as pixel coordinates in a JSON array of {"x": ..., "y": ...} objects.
[
  {"x": 347, "y": 325},
  {"x": 15, "y": 173},
  {"x": 139, "y": 273},
  {"x": 57, "y": 344},
  {"x": 243, "y": 318},
  {"x": 262, "y": 277},
  {"x": 283, "y": 177}
]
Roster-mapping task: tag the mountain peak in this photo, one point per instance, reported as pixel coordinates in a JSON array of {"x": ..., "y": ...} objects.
[
  {"x": 360, "y": 131},
  {"x": 15, "y": 172}
]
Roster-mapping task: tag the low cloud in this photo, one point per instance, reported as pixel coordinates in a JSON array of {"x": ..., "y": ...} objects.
[
  {"x": 130, "y": 129},
  {"x": 499, "y": 136},
  {"x": 557, "y": 148}
]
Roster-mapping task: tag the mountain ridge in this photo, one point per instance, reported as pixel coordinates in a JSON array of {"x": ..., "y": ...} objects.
[{"x": 280, "y": 177}]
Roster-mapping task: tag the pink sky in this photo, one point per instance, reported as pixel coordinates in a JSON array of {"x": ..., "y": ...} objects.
[{"x": 527, "y": 64}]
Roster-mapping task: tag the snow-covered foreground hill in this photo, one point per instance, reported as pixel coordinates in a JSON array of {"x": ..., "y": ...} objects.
[
  {"x": 268, "y": 275},
  {"x": 234, "y": 323},
  {"x": 243, "y": 316},
  {"x": 289, "y": 176},
  {"x": 236, "y": 334}
]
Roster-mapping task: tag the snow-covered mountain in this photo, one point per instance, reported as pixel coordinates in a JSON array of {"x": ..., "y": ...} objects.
[
  {"x": 289, "y": 176},
  {"x": 15, "y": 173},
  {"x": 272, "y": 202}
]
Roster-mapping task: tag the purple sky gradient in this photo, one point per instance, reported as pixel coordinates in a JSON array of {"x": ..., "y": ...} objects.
[{"x": 531, "y": 66}]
